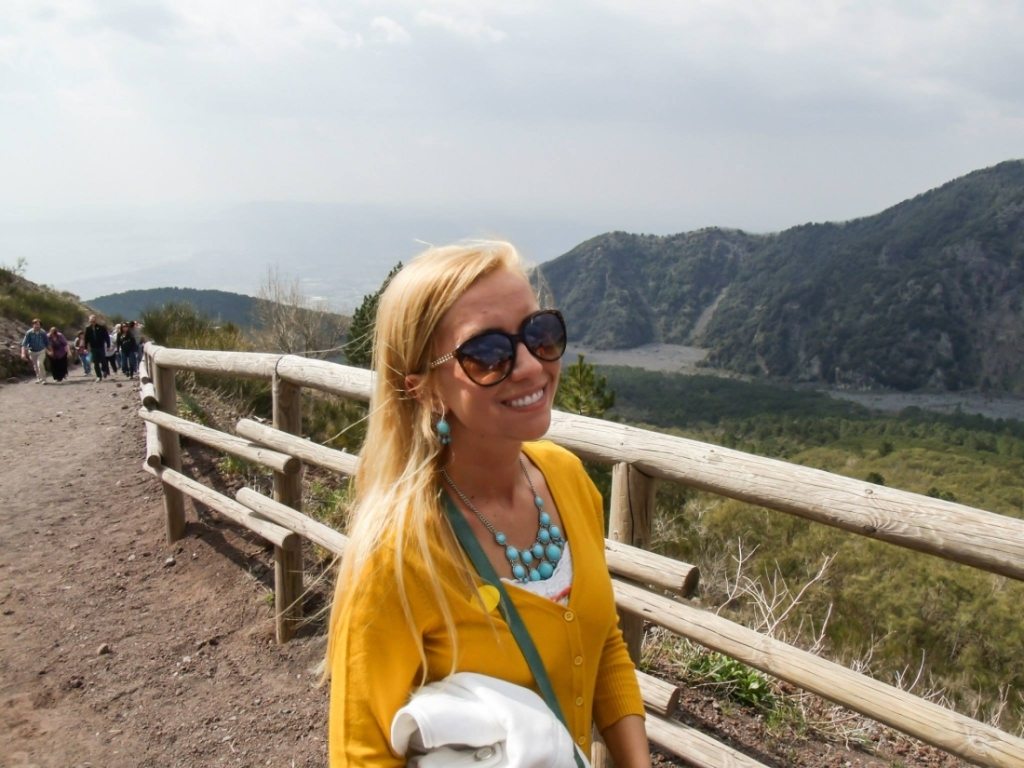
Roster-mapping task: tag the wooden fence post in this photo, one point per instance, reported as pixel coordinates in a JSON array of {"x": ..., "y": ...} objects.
[
  {"x": 629, "y": 522},
  {"x": 288, "y": 491},
  {"x": 631, "y": 508},
  {"x": 169, "y": 449}
]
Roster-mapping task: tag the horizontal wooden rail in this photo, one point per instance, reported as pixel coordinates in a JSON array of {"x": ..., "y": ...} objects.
[
  {"x": 144, "y": 375},
  {"x": 277, "y": 535},
  {"x": 953, "y": 531},
  {"x": 280, "y": 514},
  {"x": 252, "y": 365},
  {"x": 649, "y": 568},
  {"x": 148, "y": 394},
  {"x": 696, "y": 748},
  {"x": 152, "y": 445},
  {"x": 243, "y": 449},
  {"x": 660, "y": 696},
  {"x": 309, "y": 452},
  {"x": 977, "y": 742},
  {"x": 327, "y": 377}
]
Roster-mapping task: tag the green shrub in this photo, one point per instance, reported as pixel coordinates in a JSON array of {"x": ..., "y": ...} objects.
[
  {"x": 336, "y": 422},
  {"x": 740, "y": 682},
  {"x": 22, "y": 300}
]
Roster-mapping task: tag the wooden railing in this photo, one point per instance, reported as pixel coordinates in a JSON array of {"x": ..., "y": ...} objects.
[{"x": 648, "y": 587}]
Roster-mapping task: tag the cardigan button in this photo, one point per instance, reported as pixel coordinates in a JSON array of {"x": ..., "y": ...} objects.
[
  {"x": 581, "y": 740},
  {"x": 579, "y": 701},
  {"x": 578, "y": 661},
  {"x": 569, "y": 615}
]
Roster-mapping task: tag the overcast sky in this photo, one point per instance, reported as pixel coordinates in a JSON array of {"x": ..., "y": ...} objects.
[{"x": 653, "y": 116}]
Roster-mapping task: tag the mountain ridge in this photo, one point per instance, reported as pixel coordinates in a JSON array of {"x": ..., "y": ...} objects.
[
  {"x": 220, "y": 306},
  {"x": 926, "y": 294}
]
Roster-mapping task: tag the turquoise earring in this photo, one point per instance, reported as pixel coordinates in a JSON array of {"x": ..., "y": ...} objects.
[{"x": 444, "y": 432}]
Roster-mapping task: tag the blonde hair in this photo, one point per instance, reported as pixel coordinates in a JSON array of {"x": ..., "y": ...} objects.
[{"x": 397, "y": 500}]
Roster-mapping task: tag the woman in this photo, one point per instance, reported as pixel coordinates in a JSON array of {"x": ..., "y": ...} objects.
[
  {"x": 467, "y": 368},
  {"x": 127, "y": 345},
  {"x": 82, "y": 350},
  {"x": 57, "y": 351},
  {"x": 111, "y": 351}
]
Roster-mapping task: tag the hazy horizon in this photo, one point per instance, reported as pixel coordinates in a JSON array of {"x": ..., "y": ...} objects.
[
  {"x": 137, "y": 134},
  {"x": 338, "y": 252}
]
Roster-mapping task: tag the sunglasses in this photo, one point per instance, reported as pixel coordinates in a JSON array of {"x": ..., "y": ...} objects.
[{"x": 489, "y": 357}]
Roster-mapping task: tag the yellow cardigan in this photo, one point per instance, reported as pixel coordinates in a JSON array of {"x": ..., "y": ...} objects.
[{"x": 376, "y": 666}]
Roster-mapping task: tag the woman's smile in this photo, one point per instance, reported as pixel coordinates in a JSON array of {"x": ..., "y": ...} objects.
[{"x": 526, "y": 400}]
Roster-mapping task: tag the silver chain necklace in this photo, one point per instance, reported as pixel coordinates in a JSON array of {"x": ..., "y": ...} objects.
[{"x": 536, "y": 562}]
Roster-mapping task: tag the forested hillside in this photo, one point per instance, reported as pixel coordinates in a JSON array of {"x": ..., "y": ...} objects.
[
  {"x": 220, "y": 306},
  {"x": 927, "y": 294},
  {"x": 885, "y": 606}
]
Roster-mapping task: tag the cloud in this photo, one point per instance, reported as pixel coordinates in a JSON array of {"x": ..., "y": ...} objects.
[
  {"x": 475, "y": 30},
  {"x": 389, "y": 31},
  {"x": 266, "y": 29},
  {"x": 726, "y": 111}
]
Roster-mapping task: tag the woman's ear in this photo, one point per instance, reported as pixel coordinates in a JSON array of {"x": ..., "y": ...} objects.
[{"x": 413, "y": 384}]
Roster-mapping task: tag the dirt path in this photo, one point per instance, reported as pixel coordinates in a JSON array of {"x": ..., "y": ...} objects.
[{"x": 111, "y": 653}]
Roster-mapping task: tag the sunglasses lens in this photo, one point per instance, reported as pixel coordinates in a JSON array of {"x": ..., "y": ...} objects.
[
  {"x": 486, "y": 358},
  {"x": 544, "y": 336}
]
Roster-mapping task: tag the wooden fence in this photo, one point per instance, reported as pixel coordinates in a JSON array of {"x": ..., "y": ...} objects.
[{"x": 648, "y": 587}]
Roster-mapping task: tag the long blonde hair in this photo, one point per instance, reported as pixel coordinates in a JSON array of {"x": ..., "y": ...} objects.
[{"x": 397, "y": 501}]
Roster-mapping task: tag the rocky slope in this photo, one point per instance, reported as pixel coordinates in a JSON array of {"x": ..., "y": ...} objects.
[{"x": 928, "y": 294}]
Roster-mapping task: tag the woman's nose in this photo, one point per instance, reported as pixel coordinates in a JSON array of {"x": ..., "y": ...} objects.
[{"x": 526, "y": 363}]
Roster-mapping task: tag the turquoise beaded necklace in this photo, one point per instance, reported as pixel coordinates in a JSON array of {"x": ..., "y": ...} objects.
[{"x": 535, "y": 563}]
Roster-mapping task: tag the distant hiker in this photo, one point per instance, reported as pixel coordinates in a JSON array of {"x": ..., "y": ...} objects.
[
  {"x": 111, "y": 352},
  {"x": 128, "y": 346},
  {"x": 57, "y": 351},
  {"x": 83, "y": 352},
  {"x": 117, "y": 333},
  {"x": 96, "y": 339},
  {"x": 136, "y": 328},
  {"x": 33, "y": 349}
]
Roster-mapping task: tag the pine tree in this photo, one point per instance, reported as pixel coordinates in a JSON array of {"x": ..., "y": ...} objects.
[
  {"x": 359, "y": 347},
  {"x": 581, "y": 390}
]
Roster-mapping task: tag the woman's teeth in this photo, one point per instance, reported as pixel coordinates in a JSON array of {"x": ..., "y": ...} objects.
[{"x": 522, "y": 402}]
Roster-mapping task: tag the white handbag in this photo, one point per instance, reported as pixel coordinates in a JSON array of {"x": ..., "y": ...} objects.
[{"x": 469, "y": 719}]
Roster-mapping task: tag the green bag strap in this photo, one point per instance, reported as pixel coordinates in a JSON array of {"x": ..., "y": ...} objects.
[{"x": 508, "y": 611}]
